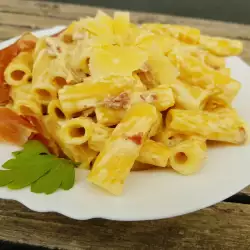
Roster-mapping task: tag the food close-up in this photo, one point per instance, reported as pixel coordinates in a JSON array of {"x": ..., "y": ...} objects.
[{"x": 110, "y": 96}]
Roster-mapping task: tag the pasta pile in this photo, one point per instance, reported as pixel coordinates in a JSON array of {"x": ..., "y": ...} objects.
[{"x": 117, "y": 97}]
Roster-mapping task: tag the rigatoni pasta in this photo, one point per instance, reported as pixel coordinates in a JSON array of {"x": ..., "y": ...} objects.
[
  {"x": 87, "y": 156},
  {"x": 42, "y": 85},
  {"x": 99, "y": 137},
  {"x": 221, "y": 46},
  {"x": 223, "y": 96},
  {"x": 55, "y": 111},
  {"x": 111, "y": 112},
  {"x": 115, "y": 161},
  {"x": 75, "y": 98},
  {"x": 40, "y": 46},
  {"x": 76, "y": 131},
  {"x": 188, "y": 156},
  {"x": 224, "y": 126},
  {"x": 161, "y": 97},
  {"x": 24, "y": 101},
  {"x": 154, "y": 153},
  {"x": 108, "y": 116},
  {"x": 20, "y": 69},
  {"x": 189, "y": 96}
]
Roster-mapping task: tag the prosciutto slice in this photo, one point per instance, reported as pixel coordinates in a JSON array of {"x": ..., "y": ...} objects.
[
  {"x": 41, "y": 134},
  {"x": 14, "y": 128}
]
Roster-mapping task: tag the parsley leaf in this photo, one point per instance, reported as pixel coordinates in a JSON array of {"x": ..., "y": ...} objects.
[
  {"x": 34, "y": 166},
  {"x": 51, "y": 181},
  {"x": 32, "y": 148}
]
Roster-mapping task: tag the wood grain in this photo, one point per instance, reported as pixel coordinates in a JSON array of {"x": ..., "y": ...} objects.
[
  {"x": 68, "y": 12},
  {"x": 236, "y": 11},
  {"x": 246, "y": 54},
  {"x": 224, "y": 226}
]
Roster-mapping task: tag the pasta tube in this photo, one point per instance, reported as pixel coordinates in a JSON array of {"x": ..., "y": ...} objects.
[
  {"x": 154, "y": 153},
  {"x": 77, "y": 153},
  {"x": 19, "y": 70},
  {"x": 55, "y": 111},
  {"x": 223, "y": 126},
  {"x": 157, "y": 125},
  {"x": 81, "y": 96},
  {"x": 42, "y": 85},
  {"x": 184, "y": 33},
  {"x": 86, "y": 154},
  {"x": 161, "y": 97},
  {"x": 224, "y": 96},
  {"x": 187, "y": 156},
  {"x": 79, "y": 58},
  {"x": 76, "y": 131},
  {"x": 23, "y": 100},
  {"x": 44, "y": 89},
  {"x": 99, "y": 137},
  {"x": 194, "y": 71},
  {"x": 139, "y": 166},
  {"x": 228, "y": 91},
  {"x": 109, "y": 116},
  {"x": 89, "y": 113},
  {"x": 40, "y": 46},
  {"x": 190, "y": 97},
  {"x": 115, "y": 161},
  {"x": 215, "y": 62},
  {"x": 60, "y": 73},
  {"x": 169, "y": 138},
  {"x": 221, "y": 46},
  {"x": 80, "y": 154}
]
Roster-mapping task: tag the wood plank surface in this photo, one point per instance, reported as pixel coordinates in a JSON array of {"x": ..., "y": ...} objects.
[
  {"x": 63, "y": 13},
  {"x": 237, "y": 11},
  {"x": 223, "y": 226}
]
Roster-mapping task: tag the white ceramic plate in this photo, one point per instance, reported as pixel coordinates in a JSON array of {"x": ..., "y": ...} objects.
[{"x": 151, "y": 194}]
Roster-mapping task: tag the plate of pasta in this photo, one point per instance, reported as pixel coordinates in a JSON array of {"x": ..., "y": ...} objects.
[{"x": 106, "y": 118}]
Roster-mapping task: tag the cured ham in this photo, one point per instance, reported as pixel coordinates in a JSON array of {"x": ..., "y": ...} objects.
[
  {"x": 4, "y": 94},
  {"x": 14, "y": 128},
  {"x": 41, "y": 134}
]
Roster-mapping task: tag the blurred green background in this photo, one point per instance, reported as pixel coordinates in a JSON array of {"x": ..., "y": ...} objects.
[{"x": 224, "y": 10}]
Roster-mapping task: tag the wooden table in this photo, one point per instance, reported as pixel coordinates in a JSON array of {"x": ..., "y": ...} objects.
[{"x": 223, "y": 226}]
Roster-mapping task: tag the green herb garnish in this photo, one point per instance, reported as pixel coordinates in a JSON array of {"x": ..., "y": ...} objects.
[{"x": 34, "y": 166}]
